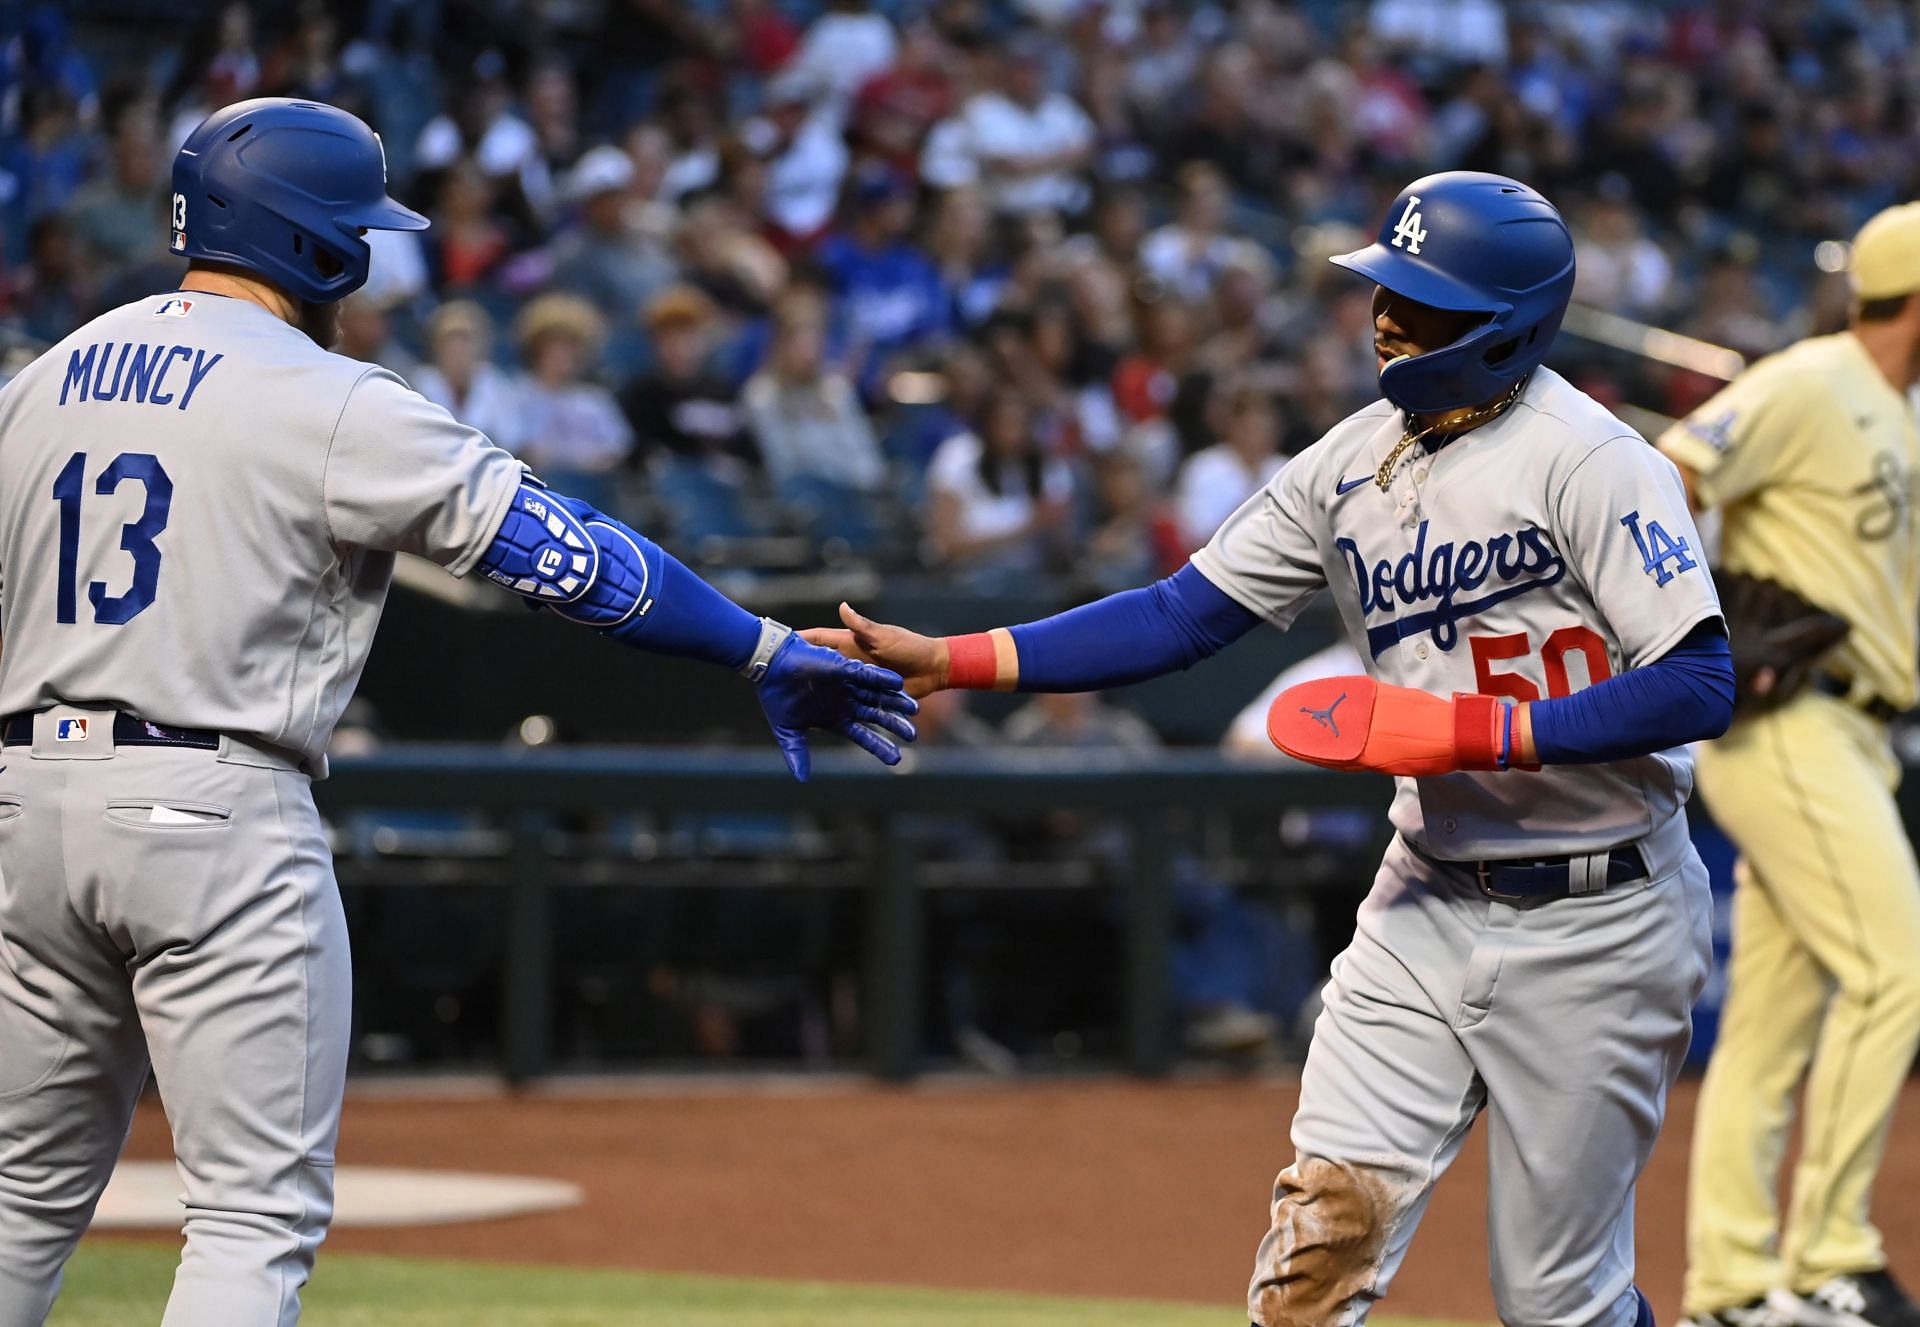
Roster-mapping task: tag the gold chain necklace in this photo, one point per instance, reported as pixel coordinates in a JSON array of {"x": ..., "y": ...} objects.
[{"x": 1384, "y": 475}]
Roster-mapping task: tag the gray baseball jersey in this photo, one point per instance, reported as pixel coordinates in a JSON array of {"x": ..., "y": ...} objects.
[
  {"x": 1541, "y": 552},
  {"x": 1533, "y": 556},
  {"x": 199, "y": 512},
  {"x": 203, "y": 512}
]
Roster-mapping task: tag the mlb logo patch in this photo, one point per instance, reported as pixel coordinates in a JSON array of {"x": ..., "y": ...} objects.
[
  {"x": 70, "y": 730},
  {"x": 174, "y": 308}
]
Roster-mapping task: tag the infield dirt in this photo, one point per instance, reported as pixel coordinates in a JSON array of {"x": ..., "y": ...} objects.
[{"x": 1100, "y": 1187}]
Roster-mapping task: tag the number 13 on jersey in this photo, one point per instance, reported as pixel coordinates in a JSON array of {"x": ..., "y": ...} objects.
[{"x": 136, "y": 537}]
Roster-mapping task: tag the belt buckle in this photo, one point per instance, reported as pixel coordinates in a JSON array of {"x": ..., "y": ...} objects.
[{"x": 1484, "y": 879}]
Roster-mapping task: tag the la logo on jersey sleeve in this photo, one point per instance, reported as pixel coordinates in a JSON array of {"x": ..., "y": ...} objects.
[
  {"x": 1716, "y": 432},
  {"x": 1658, "y": 549}
]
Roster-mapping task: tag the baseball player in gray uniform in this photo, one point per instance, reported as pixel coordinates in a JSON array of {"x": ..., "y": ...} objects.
[
  {"x": 199, "y": 512},
  {"x": 1520, "y": 573}
]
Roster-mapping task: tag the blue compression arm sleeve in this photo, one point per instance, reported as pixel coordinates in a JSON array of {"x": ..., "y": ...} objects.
[
  {"x": 588, "y": 567},
  {"x": 691, "y": 619},
  {"x": 1130, "y": 636},
  {"x": 1686, "y": 695}
]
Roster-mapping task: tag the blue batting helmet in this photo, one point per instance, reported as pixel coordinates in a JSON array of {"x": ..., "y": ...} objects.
[
  {"x": 284, "y": 188},
  {"x": 1472, "y": 242}
]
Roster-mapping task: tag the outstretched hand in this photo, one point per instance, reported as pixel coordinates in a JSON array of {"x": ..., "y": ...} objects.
[
  {"x": 920, "y": 661},
  {"x": 807, "y": 686}
]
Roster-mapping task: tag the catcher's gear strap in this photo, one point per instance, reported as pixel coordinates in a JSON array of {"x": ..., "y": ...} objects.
[
  {"x": 560, "y": 553},
  {"x": 1686, "y": 695}
]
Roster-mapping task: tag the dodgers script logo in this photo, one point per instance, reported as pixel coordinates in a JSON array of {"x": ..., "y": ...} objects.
[{"x": 1505, "y": 566}]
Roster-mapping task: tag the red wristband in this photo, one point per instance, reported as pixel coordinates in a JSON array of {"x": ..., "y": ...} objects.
[
  {"x": 1479, "y": 724},
  {"x": 973, "y": 664}
]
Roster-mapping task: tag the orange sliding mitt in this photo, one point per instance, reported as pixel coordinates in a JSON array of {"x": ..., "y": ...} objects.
[{"x": 1358, "y": 723}]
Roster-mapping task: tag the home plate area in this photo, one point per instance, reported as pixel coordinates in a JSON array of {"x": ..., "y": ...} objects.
[{"x": 147, "y": 1195}]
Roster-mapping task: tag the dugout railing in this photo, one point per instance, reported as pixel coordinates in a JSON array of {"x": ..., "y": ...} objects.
[{"x": 526, "y": 793}]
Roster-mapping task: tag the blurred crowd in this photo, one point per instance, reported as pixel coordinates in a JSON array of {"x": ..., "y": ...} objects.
[{"x": 1001, "y": 291}]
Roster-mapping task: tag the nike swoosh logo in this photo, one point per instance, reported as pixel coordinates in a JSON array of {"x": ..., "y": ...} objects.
[{"x": 1348, "y": 485}]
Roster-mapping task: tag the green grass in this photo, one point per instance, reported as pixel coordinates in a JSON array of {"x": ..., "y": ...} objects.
[{"x": 116, "y": 1285}]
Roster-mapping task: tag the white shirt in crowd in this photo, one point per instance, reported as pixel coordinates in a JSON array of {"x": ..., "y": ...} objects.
[
  {"x": 803, "y": 182},
  {"x": 577, "y": 426},
  {"x": 815, "y": 431},
  {"x": 508, "y": 146},
  {"x": 841, "y": 52},
  {"x": 491, "y": 403},
  {"x": 960, "y": 151},
  {"x": 1460, "y": 31},
  {"x": 1212, "y": 484},
  {"x": 1633, "y": 278},
  {"x": 954, "y": 470},
  {"x": 396, "y": 268},
  {"x": 1191, "y": 264}
]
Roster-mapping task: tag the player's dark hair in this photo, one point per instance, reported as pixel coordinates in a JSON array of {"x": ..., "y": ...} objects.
[{"x": 1882, "y": 310}]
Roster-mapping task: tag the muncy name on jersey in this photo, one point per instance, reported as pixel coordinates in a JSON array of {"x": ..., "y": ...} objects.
[
  {"x": 1505, "y": 566},
  {"x": 139, "y": 373}
]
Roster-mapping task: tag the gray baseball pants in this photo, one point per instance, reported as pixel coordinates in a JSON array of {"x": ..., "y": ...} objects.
[
  {"x": 205, "y": 938},
  {"x": 1564, "y": 1021}
]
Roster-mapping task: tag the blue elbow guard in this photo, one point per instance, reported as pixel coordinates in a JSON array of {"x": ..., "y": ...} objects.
[
  {"x": 566, "y": 556},
  {"x": 558, "y": 552}
]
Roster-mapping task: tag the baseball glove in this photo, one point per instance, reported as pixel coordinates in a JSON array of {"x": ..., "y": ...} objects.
[{"x": 1776, "y": 637}]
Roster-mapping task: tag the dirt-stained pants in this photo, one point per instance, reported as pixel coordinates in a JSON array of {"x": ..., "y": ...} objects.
[{"x": 1565, "y": 1021}]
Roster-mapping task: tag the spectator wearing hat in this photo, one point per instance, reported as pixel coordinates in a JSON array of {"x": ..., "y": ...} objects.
[
  {"x": 569, "y": 426},
  {"x": 602, "y": 257},
  {"x": 806, "y": 419},
  {"x": 888, "y": 297},
  {"x": 680, "y": 408},
  {"x": 459, "y": 377}
]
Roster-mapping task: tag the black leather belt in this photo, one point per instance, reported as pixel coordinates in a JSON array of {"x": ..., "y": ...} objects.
[
  {"x": 1841, "y": 688},
  {"x": 1543, "y": 877},
  {"x": 128, "y": 730}
]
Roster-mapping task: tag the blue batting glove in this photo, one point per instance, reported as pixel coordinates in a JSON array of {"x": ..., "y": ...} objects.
[{"x": 805, "y": 686}]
